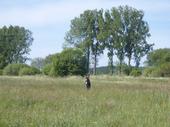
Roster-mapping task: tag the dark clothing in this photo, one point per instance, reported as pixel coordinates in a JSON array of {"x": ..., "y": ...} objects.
[{"x": 87, "y": 83}]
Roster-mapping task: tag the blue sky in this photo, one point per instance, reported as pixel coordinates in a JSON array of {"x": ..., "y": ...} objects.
[{"x": 50, "y": 19}]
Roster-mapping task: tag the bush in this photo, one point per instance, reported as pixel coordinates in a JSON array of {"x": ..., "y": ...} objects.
[
  {"x": 13, "y": 69},
  {"x": 162, "y": 71},
  {"x": 1, "y": 72},
  {"x": 136, "y": 72},
  {"x": 47, "y": 69},
  {"x": 125, "y": 69},
  {"x": 69, "y": 62},
  {"x": 29, "y": 71},
  {"x": 148, "y": 71}
]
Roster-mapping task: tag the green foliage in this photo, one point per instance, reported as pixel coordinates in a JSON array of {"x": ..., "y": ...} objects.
[
  {"x": 136, "y": 72},
  {"x": 160, "y": 61},
  {"x": 47, "y": 68},
  {"x": 158, "y": 57},
  {"x": 126, "y": 69},
  {"x": 49, "y": 59},
  {"x": 63, "y": 102},
  {"x": 29, "y": 71},
  {"x": 13, "y": 69},
  {"x": 20, "y": 69},
  {"x": 148, "y": 71},
  {"x": 123, "y": 31},
  {"x": 14, "y": 45},
  {"x": 38, "y": 63},
  {"x": 85, "y": 33},
  {"x": 123, "y": 69},
  {"x": 162, "y": 70},
  {"x": 1, "y": 71},
  {"x": 69, "y": 62}
]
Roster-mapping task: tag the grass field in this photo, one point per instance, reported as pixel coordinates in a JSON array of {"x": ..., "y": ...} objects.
[{"x": 64, "y": 102}]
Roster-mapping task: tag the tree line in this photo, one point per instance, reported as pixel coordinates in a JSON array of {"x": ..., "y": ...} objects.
[{"x": 122, "y": 31}]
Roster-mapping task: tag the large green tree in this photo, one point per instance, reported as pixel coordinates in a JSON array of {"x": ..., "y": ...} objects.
[
  {"x": 97, "y": 46},
  {"x": 158, "y": 57},
  {"x": 127, "y": 34},
  {"x": 15, "y": 44},
  {"x": 80, "y": 34},
  {"x": 85, "y": 33},
  {"x": 123, "y": 31},
  {"x": 112, "y": 35},
  {"x": 70, "y": 61},
  {"x": 134, "y": 32},
  {"x": 118, "y": 35}
]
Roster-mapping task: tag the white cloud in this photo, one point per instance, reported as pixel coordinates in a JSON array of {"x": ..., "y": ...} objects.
[{"x": 64, "y": 11}]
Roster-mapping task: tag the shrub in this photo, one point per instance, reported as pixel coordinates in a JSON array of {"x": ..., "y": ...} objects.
[
  {"x": 70, "y": 61},
  {"x": 13, "y": 69},
  {"x": 148, "y": 71},
  {"x": 125, "y": 69},
  {"x": 162, "y": 71},
  {"x": 136, "y": 72},
  {"x": 1, "y": 72},
  {"x": 29, "y": 71},
  {"x": 46, "y": 70},
  {"x": 165, "y": 69}
]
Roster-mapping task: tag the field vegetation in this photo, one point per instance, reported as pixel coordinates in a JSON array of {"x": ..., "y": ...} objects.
[{"x": 40, "y": 101}]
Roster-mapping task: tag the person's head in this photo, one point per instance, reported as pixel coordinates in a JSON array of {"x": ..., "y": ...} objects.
[{"x": 87, "y": 76}]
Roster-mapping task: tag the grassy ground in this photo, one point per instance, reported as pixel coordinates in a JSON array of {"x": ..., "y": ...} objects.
[{"x": 64, "y": 102}]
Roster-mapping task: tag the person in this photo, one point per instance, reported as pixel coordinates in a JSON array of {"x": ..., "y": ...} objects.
[{"x": 87, "y": 82}]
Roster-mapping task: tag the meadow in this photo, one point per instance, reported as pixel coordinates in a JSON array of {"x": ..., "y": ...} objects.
[{"x": 39, "y": 101}]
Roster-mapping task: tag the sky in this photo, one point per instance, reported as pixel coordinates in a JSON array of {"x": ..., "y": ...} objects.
[{"x": 49, "y": 20}]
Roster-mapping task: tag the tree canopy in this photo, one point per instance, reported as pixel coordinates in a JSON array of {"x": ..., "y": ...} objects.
[
  {"x": 123, "y": 31},
  {"x": 70, "y": 61},
  {"x": 15, "y": 44},
  {"x": 158, "y": 57}
]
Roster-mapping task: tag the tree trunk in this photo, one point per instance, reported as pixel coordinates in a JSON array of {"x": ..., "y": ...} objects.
[
  {"x": 137, "y": 62},
  {"x": 88, "y": 58},
  {"x": 120, "y": 68},
  {"x": 111, "y": 62},
  {"x": 95, "y": 63},
  {"x": 129, "y": 61},
  {"x": 111, "y": 65}
]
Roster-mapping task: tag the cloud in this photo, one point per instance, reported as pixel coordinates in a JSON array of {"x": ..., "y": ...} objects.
[{"x": 63, "y": 11}]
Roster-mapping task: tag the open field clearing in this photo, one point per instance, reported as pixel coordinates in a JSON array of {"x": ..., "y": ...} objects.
[{"x": 64, "y": 102}]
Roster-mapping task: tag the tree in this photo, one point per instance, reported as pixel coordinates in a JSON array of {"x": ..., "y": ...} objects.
[
  {"x": 14, "y": 45},
  {"x": 85, "y": 33},
  {"x": 79, "y": 34},
  {"x": 126, "y": 34},
  {"x": 121, "y": 30},
  {"x": 158, "y": 57},
  {"x": 97, "y": 36},
  {"x": 135, "y": 31},
  {"x": 108, "y": 36},
  {"x": 38, "y": 63},
  {"x": 69, "y": 62},
  {"x": 140, "y": 51},
  {"x": 112, "y": 26},
  {"x": 119, "y": 39}
]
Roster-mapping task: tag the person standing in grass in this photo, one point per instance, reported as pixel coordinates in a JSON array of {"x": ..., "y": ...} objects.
[{"x": 87, "y": 82}]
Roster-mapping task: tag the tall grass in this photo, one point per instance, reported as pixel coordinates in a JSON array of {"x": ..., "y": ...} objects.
[{"x": 64, "y": 102}]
